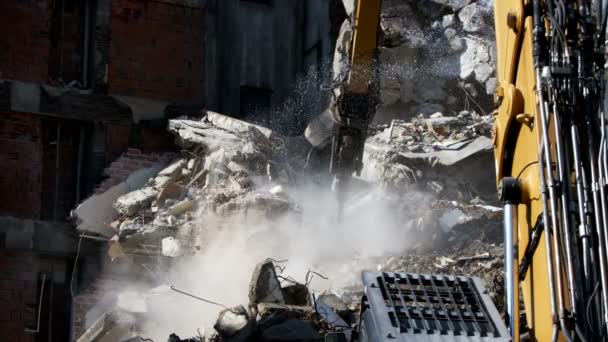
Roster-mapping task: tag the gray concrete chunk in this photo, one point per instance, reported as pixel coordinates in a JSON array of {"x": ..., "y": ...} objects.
[
  {"x": 264, "y": 286},
  {"x": 133, "y": 202}
]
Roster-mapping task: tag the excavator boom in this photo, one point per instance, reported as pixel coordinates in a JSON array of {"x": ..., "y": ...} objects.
[{"x": 550, "y": 151}]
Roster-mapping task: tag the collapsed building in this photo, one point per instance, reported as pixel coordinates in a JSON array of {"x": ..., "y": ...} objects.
[
  {"x": 229, "y": 168},
  {"x": 167, "y": 160}
]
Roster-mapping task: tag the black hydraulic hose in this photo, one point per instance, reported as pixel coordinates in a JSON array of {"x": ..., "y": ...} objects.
[{"x": 538, "y": 32}]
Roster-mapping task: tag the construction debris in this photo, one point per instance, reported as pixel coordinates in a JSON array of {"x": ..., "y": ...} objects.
[
  {"x": 234, "y": 325},
  {"x": 265, "y": 286},
  {"x": 422, "y": 155},
  {"x": 237, "y": 171}
]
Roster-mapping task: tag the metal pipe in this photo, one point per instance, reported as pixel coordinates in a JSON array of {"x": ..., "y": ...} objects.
[
  {"x": 598, "y": 225},
  {"x": 581, "y": 194},
  {"x": 39, "y": 308},
  {"x": 604, "y": 206},
  {"x": 554, "y": 228},
  {"x": 509, "y": 220},
  {"x": 563, "y": 174},
  {"x": 543, "y": 191},
  {"x": 50, "y": 323}
]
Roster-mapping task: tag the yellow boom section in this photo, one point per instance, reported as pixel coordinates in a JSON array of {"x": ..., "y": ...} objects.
[{"x": 365, "y": 36}]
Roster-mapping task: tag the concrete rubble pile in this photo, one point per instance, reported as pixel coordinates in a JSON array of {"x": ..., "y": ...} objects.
[
  {"x": 452, "y": 238},
  {"x": 424, "y": 153},
  {"x": 223, "y": 160},
  {"x": 436, "y": 55}
]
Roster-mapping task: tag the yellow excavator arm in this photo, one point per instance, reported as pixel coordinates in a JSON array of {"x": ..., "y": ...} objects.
[
  {"x": 550, "y": 152},
  {"x": 356, "y": 105}
]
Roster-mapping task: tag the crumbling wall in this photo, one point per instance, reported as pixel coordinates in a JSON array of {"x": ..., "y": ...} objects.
[
  {"x": 436, "y": 56},
  {"x": 84, "y": 303},
  {"x": 156, "y": 50},
  {"x": 132, "y": 160}
]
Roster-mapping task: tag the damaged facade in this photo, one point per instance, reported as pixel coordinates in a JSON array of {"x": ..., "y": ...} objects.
[{"x": 86, "y": 93}]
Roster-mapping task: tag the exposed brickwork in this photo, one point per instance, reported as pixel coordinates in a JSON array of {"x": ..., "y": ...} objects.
[
  {"x": 156, "y": 50},
  {"x": 24, "y": 44},
  {"x": 21, "y": 158},
  {"x": 66, "y": 41},
  {"x": 118, "y": 138},
  {"x": 85, "y": 300},
  {"x": 128, "y": 163}
]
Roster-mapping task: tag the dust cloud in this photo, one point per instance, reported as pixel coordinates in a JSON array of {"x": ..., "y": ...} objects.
[{"x": 309, "y": 237}]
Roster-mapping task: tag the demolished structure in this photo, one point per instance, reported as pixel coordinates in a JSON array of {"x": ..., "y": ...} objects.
[
  {"x": 229, "y": 168},
  {"x": 431, "y": 170}
]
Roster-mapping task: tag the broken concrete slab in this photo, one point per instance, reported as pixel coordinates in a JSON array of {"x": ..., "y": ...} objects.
[
  {"x": 197, "y": 133},
  {"x": 95, "y": 213},
  {"x": 131, "y": 203},
  {"x": 335, "y": 303},
  {"x": 329, "y": 314},
  {"x": 235, "y": 125},
  {"x": 173, "y": 170},
  {"x": 320, "y": 129},
  {"x": 265, "y": 286}
]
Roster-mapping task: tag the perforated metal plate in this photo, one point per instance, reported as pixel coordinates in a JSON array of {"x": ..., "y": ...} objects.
[{"x": 416, "y": 307}]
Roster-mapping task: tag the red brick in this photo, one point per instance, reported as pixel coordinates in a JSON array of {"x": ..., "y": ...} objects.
[{"x": 149, "y": 54}]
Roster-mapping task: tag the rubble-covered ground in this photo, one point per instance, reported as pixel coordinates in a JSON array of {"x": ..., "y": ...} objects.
[{"x": 232, "y": 200}]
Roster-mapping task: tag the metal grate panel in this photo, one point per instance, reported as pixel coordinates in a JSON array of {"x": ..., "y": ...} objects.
[{"x": 415, "y": 305}]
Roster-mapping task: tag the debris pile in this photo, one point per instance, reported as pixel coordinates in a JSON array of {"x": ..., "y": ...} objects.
[
  {"x": 281, "y": 309},
  {"x": 451, "y": 239},
  {"x": 223, "y": 160},
  {"x": 435, "y": 132},
  {"x": 423, "y": 154}
]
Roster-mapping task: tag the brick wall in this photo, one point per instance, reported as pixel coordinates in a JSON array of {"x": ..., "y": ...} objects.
[
  {"x": 128, "y": 163},
  {"x": 21, "y": 158},
  {"x": 20, "y": 285},
  {"x": 156, "y": 50},
  {"x": 24, "y": 42}
]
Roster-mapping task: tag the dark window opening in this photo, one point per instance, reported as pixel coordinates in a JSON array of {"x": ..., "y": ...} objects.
[
  {"x": 70, "y": 6},
  {"x": 255, "y": 103},
  {"x": 261, "y": 2}
]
